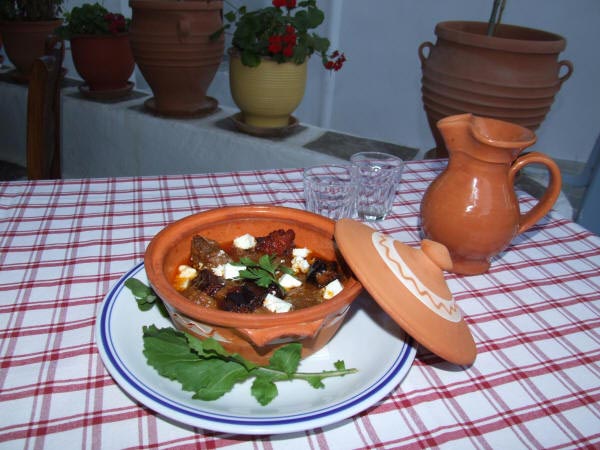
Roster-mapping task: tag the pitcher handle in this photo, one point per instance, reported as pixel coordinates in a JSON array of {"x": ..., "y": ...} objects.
[{"x": 551, "y": 194}]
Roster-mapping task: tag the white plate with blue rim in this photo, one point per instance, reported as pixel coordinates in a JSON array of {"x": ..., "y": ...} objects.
[{"x": 368, "y": 341}]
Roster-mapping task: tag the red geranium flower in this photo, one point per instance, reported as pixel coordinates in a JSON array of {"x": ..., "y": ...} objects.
[
  {"x": 275, "y": 44},
  {"x": 288, "y": 51},
  {"x": 282, "y": 33}
]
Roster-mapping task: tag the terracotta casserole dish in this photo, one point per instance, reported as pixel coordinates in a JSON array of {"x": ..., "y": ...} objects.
[{"x": 254, "y": 336}]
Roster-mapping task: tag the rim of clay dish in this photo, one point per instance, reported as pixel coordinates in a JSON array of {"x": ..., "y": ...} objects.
[{"x": 184, "y": 228}]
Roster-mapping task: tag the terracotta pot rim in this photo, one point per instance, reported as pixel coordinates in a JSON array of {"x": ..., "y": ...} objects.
[
  {"x": 511, "y": 38},
  {"x": 165, "y": 290},
  {"x": 56, "y": 19},
  {"x": 165, "y": 5},
  {"x": 100, "y": 36},
  {"x": 17, "y": 25}
]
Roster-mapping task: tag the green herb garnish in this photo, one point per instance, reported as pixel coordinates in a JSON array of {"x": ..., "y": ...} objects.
[
  {"x": 205, "y": 368},
  {"x": 145, "y": 296},
  {"x": 264, "y": 272}
]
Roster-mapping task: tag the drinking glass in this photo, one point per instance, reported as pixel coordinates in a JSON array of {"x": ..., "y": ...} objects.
[
  {"x": 329, "y": 190},
  {"x": 376, "y": 176}
]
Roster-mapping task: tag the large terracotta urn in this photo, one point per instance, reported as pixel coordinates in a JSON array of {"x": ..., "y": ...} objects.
[
  {"x": 269, "y": 93},
  {"x": 512, "y": 76},
  {"x": 24, "y": 41},
  {"x": 172, "y": 47},
  {"x": 471, "y": 207},
  {"x": 105, "y": 62}
]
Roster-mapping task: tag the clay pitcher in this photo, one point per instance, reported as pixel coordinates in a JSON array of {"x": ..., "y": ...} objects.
[{"x": 472, "y": 207}]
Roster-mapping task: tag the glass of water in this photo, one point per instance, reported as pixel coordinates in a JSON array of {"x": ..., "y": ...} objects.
[
  {"x": 329, "y": 190},
  {"x": 376, "y": 176}
]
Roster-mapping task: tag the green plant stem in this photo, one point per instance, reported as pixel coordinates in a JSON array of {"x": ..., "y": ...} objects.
[{"x": 278, "y": 375}]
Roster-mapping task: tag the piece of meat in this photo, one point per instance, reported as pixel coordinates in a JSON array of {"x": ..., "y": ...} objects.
[
  {"x": 278, "y": 242},
  {"x": 208, "y": 282},
  {"x": 199, "y": 297},
  {"x": 207, "y": 252},
  {"x": 322, "y": 272},
  {"x": 244, "y": 298}
]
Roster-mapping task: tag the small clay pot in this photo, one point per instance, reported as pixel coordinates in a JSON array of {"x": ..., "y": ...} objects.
[
  {"x": 105, "y": 62},
  {"x": 254, "y": 336}
]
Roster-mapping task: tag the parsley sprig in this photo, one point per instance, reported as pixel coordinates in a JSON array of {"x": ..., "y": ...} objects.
[{"x": 264, "y": 272}]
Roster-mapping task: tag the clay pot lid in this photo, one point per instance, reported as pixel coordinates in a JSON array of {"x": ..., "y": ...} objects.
[{"x": 409, "y": 285}]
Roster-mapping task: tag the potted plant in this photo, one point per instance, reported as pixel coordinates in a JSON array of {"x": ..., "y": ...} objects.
[
  {"x": 268, "y": 60},
  {"x": 101, "y": 50},
  {"x": 172, "y": 47},
  {"x": 25, "y": 27},
  {"x": 506, "y": 72}
]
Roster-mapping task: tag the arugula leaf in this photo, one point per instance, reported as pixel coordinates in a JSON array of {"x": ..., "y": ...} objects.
[
  {"x": 264, "y": 390},
  {"x": 287, "y": 358},
  {"x": 210, "y": 348},
  {"x": 205, "y": 368},
  {"x": 169, "y": 352},
  {"x": 145, "y": 296}
]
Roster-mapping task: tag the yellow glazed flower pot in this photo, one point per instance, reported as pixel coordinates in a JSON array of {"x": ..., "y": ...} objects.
[{"x": 267, "y": 94}]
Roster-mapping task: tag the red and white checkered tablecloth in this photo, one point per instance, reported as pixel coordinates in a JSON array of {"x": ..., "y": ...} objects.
[{"x": 535, "y": 317}]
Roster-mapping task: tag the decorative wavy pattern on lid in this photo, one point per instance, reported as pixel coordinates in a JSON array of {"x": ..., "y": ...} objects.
[{"x": 445, "y": 308}]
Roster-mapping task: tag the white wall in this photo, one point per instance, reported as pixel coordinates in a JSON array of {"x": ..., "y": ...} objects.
[{"x": 377, "y": 94}]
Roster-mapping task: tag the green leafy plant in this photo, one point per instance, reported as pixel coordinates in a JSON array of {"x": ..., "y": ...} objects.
[
  {"x": 281, "y": 32},
  {"x": 92, "y": 19},
  {"x": 30, "y": 10},
  {"x": 209, "y": 371},
  {"x": 264, "y": 272},
  {"x": 145, "y": 296},
  {"x": 205, "y": 368}
]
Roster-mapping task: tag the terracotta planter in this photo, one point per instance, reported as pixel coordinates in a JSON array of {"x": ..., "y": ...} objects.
[
  {"x": 26, "y": 41},
  {"x": 494, "y": 76},
  {"x": 267, "y": 94},
  {"x": 104, "y": 62},
  {"x": 254, "y": 336},
  {"x": 171, "y": 46}
]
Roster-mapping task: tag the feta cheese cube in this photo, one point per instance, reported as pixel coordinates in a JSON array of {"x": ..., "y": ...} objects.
[
  {"x": 244, "y": 242},
  {"x": 231, "y": 271},
  {"x": 301, "y": 252},
  {"x": 275, "y": 304},
  {"x": 185, "y": 274},
  {"x": 288, "y": 282},
  {"x": 219, "y": 270},
  {"x": 300, "y": 265},
  {"x": 332, "y": 289}
]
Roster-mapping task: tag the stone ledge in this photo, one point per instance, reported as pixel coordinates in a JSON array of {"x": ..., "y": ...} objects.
[{"x": 103, "y": 138}]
